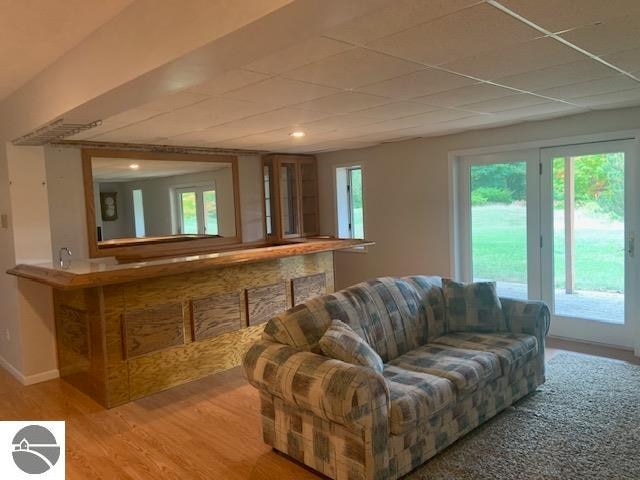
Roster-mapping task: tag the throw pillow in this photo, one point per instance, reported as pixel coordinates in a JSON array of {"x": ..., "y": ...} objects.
[
  {"x": 473, "y": 307},
  {"x": 342, "y": 343}
]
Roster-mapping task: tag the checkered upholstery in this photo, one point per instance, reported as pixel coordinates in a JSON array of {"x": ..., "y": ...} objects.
[
  {"x": 387, "y": 312},
  {"x": 512, "y": 349},
  {"x": 352, "y": 422},
  {"x": 473, "y": 306},
  {"x": 415, "y": 397},
  {"x": 466, "y": 369},
  {"x": 342, "y": 343}
]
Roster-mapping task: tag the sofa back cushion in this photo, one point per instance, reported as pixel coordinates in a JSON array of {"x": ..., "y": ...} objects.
[
  {"x": 386, "y": 312},
  {"x": 429, "y": 290},
  {"x": 342, "y": 343}
]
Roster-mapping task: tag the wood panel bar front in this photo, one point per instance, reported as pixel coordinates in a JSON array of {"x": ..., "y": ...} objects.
[{"x": 111, "y": 349}]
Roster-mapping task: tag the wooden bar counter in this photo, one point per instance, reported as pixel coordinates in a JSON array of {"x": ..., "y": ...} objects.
[{"x": 128, "y": 330}]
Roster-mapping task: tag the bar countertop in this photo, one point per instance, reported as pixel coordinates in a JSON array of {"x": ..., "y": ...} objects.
[{"x": 87, "y": 274}]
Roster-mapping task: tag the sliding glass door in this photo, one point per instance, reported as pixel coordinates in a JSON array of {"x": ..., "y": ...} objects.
[
  {"x": 500, "y": 194},
  {"x": 589, "y": 219},
  {"x": 557, "y": 224}
]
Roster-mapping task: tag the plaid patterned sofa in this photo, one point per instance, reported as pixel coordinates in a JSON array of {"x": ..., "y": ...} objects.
[{"x": 351, "y": 422}]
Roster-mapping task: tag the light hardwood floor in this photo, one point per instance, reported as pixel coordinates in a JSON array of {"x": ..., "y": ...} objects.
[{"x": 207, "y": 429}]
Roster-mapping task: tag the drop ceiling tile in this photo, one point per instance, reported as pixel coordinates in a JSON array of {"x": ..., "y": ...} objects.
[
  {"x": 344, "y": 102},
  {"x": 399, "y": 15},
  {"x": 417, "y": 84},
  {"x": 352, "y": 69},
  {"x": 628, "y": 60},
  {"x": 540, "y": 110},
  {"x": 227, "y": 81},
  {"x": 396, "y": 109},
  {"x": 595, "y": 87},
  {"x": 300, "y": 54},
  {"x": 614, "y": 35},
  {"x": 558, "y": 75},
  {"x": 280, "y": 92},
  {"x": 175, "y": 101},
  {"x": 472, "y": 30},
  {"x": 515, "y": 59},
  {"x": 557, "y": 15},
  {"x": 464, "y": 95},
  {"x": 505, "y": 103},
  {"x": 283, "y": 117},
  {"x": 342, "y": 121},
  {"x": 624, "y": 98}
]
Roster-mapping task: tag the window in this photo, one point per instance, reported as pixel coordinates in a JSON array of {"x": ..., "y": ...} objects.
[
  {"x": 138, "y": 213},
  {"x": 350, "y": 204},
  {"x": 197, "y": 210}
]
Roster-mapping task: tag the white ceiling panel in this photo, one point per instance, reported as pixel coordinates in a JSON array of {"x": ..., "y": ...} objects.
[
  {"x": 227, "y": 81},
  {"x": 461, "y": 96},
  {"x": 628, "y": 60},
  {"x": 524, "y": 57},
  {"x": 344, "y": 102},
  {"x": 417, "y": 84},
  {"x": 594, "y": 87},
  {"x": 472, "y": 30},
  {"x": 281, "y": 92},
  {"x": 400, "y": 15},
  {"x": 343, "y": 121},
  {"x": 353, "y": 68},
  {"x": 614, "y": 35},
  {"x": 299, "y": 55},
  {"x": 397, "y": 109},
  {"x": 561, "y": 15},
  {"x": 505, "y": 103},
  {"x": 558, "y": 75},
  {"x": 544, "y": 110}
]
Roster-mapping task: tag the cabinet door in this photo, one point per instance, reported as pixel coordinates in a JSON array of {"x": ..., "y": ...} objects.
[
  {"x": 269, "y": 198},
  {"x": 308, "y": 196},
  {"x": 289, "y": 197}
]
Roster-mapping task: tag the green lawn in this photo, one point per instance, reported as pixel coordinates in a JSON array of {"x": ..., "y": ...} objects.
[{"x": 500, "y": 252}]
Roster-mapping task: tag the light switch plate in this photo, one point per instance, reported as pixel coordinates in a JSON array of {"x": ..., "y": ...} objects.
[{"x": 4, "y": 220}]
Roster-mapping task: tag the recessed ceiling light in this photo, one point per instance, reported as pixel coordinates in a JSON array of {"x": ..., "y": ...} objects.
[
  {"x": 134, "y": 166},
  {"x": 297, "y": 134}
]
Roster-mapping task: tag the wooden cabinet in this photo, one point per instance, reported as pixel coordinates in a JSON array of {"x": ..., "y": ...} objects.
[{"x": 290, "y": 196}]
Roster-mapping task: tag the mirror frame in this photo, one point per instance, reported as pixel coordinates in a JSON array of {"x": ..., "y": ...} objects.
[{"x": 164, "y": 249}]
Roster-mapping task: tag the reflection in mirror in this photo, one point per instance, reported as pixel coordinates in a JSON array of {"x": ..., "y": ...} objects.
[{"x": 141, "y": 201}]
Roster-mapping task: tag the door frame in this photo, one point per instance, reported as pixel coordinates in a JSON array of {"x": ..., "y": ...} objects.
[{"x": 585, "y": 329}]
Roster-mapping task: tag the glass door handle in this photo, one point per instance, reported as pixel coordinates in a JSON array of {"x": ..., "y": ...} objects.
[{"x": 631, "y": 246}]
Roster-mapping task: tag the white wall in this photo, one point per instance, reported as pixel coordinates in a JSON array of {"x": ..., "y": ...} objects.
[
  {"x": 406, "y": 192},
  {"x": 30, "y": 346}
]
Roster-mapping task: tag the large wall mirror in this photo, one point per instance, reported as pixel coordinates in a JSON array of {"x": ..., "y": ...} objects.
[{"x": 145, "y": 204}]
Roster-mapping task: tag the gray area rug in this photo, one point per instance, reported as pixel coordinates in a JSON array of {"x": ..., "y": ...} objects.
[{"x": 583, "y": 423}]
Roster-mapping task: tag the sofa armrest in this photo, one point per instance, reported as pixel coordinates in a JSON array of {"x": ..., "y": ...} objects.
[
  {"x": 526, "y": 316},
  {"x": 331, "y": 389}
]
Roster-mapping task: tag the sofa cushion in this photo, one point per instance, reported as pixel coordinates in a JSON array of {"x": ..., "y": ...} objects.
[
  {"x": 466, "y": 369},
  {"x": 415, "y": 397},
  {"x": 472, "y": 306},
  {"x": 342, "y": 343},
  {"x": 513, "y": 349},
  {"x": 430, "y": 292},
  {"x": 386, "y": 312}
]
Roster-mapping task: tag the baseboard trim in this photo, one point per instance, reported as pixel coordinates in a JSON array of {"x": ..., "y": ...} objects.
[
  {"x": 29, "y": 379},
  {"x": 586, "y": 342}
]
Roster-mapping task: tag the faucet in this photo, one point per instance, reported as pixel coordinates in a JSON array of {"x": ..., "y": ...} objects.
[{"x": 61, "y": 260}]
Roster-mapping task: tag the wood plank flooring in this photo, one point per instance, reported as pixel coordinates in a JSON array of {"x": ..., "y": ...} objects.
[{"x": 207, "y": 429}]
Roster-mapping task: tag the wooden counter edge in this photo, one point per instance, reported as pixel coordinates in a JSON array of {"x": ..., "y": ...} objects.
[{"x": 64, "y": 280}]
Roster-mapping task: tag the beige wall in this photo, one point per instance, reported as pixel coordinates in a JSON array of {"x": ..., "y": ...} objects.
[{"x": 406, "y": 192}]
